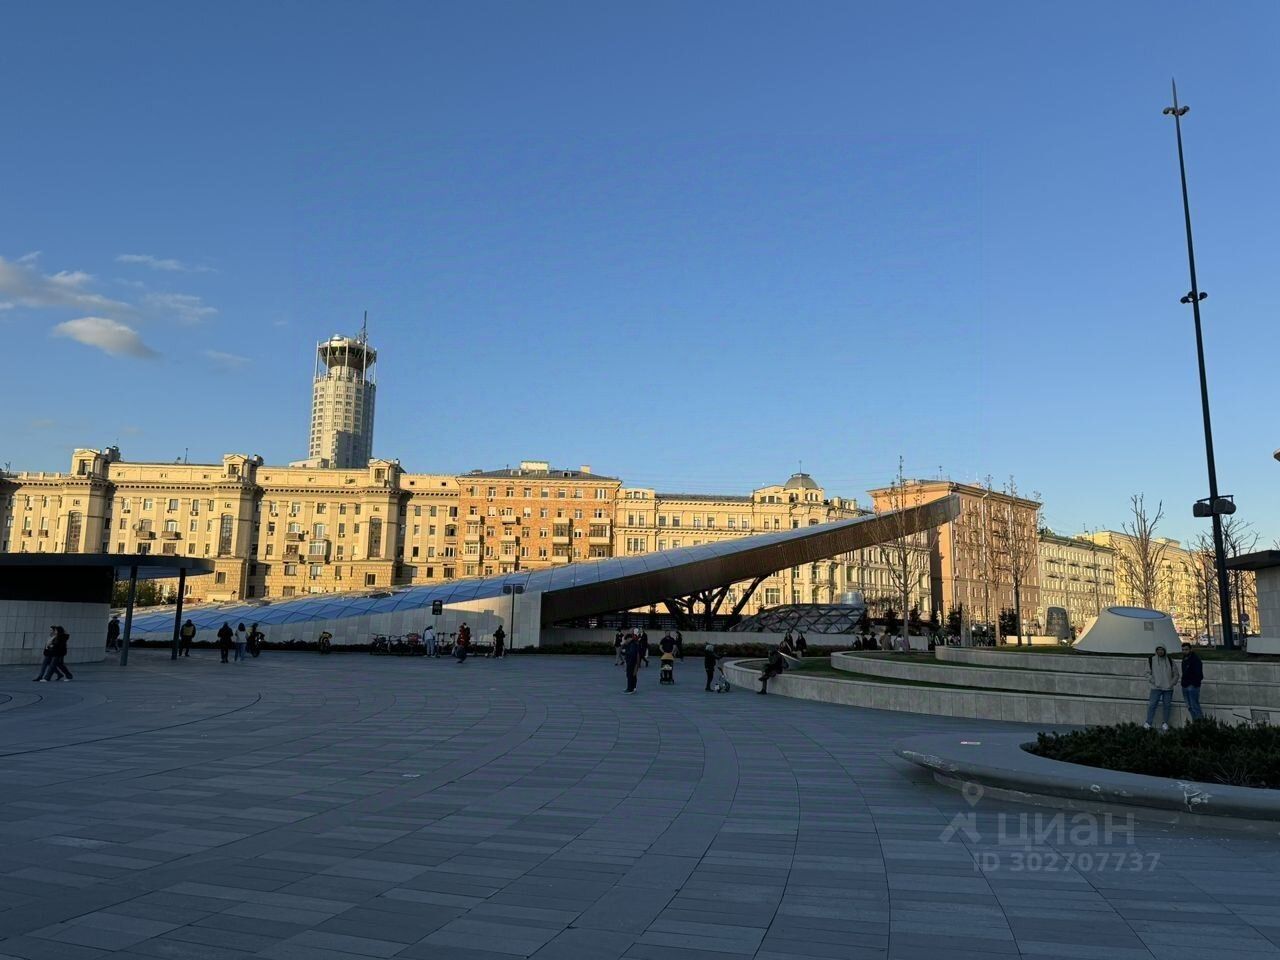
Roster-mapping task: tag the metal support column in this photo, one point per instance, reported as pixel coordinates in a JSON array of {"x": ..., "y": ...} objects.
[
  {"x": 177, "y": 612},
  {"x": 128, "y": 616}
]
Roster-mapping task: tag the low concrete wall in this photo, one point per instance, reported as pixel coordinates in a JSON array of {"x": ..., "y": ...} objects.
[
  {"x": 1229, "y": 694},
  {"x": 1116, "y": 665},
  {"x": 693, "y": 639},
  {"x": 24, "y": 630},
  {"x": 1042, "y": 709},
  {"x": 999, "y": 764}
]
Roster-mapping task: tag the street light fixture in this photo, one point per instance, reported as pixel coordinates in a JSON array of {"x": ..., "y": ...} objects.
[{"x": 1215, "y": 505}]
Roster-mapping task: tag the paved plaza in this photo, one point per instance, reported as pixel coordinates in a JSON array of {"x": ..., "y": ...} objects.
[{"x": 300, "y": 807}]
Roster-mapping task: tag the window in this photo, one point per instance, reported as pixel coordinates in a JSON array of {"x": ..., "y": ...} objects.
[
  {"x": 317, "y": 570},
  {"x": 173, "y": 506},
  {"x": 220, "y": 577},
  {"x": 370, "y": 579},
  {"x": 171, "y": 526},
  {"x": 290, "y": 569},
  {"x": 147, "y": 504},
  {"x": 375, "y": 538},
  {"x": 224, "y": 535}
]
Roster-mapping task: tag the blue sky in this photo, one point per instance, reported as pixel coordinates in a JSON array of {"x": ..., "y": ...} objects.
[{"x": 690, "y": 244}]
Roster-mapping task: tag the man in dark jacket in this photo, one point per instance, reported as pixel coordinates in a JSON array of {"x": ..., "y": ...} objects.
[
  {"x": 225, "y": 635},
  {"x": 113, "y": 633},
  {"x": 709, "y": 660},
  {"x": 186, "y": 635},
  {"x": 499, "y": 642},
  {"x": 772, "y": 668},
  {"x": 1192, "y": 677},
  {"x": 631, "y": 656}
]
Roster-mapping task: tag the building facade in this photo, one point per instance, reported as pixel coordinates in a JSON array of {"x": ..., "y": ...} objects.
[
  {"x": 342, "y": 402},
  {"x": 284, "y": 531},
  {"x": 974, "y": 556},
  {"x": 1185, "y": 587},
  {"x": 1076, "y": 574}
]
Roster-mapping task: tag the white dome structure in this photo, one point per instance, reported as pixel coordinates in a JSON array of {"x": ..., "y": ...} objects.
[{"x": 1134, "y": 630}]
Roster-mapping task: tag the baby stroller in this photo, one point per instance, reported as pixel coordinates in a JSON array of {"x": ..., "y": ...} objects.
[
  {"x": 668, "y": 671},
  {"x": 721, "y": 683}
]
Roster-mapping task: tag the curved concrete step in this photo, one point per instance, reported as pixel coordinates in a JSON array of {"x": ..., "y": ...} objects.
[
  {"x": 1224, "y": 693},
  {"x": 1013, "y": 706}
]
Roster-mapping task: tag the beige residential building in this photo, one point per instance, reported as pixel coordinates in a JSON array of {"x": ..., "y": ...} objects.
[
  {"x": 1077, "y": 575},
  {"x": 1185, "y": 590},
  {"x": 281, "y": 531},
  {"x": 651, "y": 520},
  {"x": 973, "y": 554}
]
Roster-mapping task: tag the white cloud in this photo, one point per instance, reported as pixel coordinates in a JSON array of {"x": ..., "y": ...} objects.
[
  {"x": 7, "y": 306},
  {"x": 186, "y": 307},
  {"x": 22, "y": 283},
  {"x": 109, "y": 336},
  {"x": 228, "y": 361},
  {"x": 167, "y": 264}
]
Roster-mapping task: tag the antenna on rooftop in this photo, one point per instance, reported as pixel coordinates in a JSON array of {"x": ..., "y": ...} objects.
[{"x": 364, "y": 328}]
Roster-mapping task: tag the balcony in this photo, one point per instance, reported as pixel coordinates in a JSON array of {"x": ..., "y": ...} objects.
[
  {"x": 472, "y": 537},
  {"x": 144, "y": 534},
  {"x": 600, "y": 541},
  {"x": 558, "y": 559},
  {"x": 318, "y": 550},
  {"x": 509, "y": 519},
  {"x": 561, "y": 540},
  {"x": 170, "y": 535},
  {"x": 295, "y": 536}
]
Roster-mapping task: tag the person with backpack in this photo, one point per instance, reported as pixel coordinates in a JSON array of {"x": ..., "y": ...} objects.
[
  {"x": 187, "y": 636},
  {"x": 1192, "y": 678},
  {"x": 225, "y": 634},
  {"x": 1162, "y": 675}
]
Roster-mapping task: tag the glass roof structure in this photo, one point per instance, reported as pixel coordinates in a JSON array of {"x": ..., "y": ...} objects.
[
  {"x": 804, "y": 618},
  {"x": 591, "y": 587}
]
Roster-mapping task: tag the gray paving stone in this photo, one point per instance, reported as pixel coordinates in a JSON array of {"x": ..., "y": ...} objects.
[{"x": 385, "y": 808}]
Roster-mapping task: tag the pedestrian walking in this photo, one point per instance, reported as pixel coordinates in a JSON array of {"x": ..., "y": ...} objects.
[
  {"x": 710, "y": 659},
  {"x": 617, "y": 648},
  {"x": 225, "y": 634},
  {"x": 631, "y": 656},
  {"x": 1162, "y": 674},
  {"x": 679, "y": 644},
  {"x": 256, "y": 637},
  {"x": 464, "y": 641},
  {"x": 187, "y": 636},
  {"x": 242, "y": 641},
  {"x": 667, "y": 648},
  {"x": 55, "y": 649},
  {"x": 1192, "y": 678},
  {"x": 429, "y": 640},
  {"x": 499, "y": 643},
  {"x": 113, "y": 632},
  {"x": 644, "y": 647}
]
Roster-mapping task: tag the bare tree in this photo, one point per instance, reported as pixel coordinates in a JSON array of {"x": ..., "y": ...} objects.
[
  {"x": 1239, "y": 537},
  {"x": 1204, "y": 572},
  {"x": 1141, "y": 554},
  {"x": 1016, "y": 533},
  {"x": 905, "y": 552}
]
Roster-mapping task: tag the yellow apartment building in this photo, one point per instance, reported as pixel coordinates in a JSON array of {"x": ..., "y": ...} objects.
[{"x": 1076, "y": 574}]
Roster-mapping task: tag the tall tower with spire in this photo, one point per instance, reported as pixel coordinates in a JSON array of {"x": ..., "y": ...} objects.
[{"x": 342, "y": 400}]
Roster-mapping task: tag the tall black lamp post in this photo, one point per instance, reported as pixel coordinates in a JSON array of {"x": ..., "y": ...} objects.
[{"x": 1214, "y": 506}]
